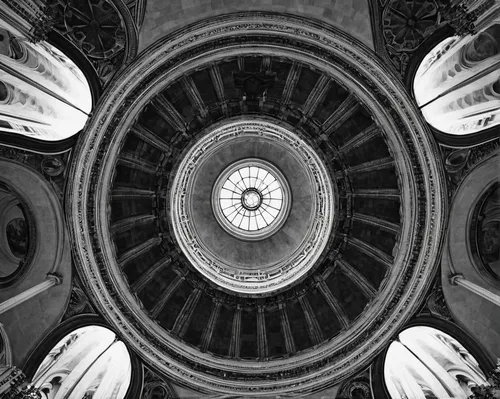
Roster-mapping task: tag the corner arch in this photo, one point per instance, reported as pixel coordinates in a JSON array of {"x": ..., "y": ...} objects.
[
  {"x": 379, "y": 387},
  {"x": 61, "y": 331}
]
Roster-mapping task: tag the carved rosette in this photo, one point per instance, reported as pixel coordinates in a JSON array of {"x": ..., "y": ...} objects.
[
  {"x": 436, "y": 304},
  {"x": 421, "y": 180},
  {"x": 155, "y": 387},
  {"x": 103, "y": 30},
  {"x": 358, "y": 388}
]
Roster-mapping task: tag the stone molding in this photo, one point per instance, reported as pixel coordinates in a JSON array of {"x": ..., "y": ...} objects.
[{"x": 421, "y": 179}]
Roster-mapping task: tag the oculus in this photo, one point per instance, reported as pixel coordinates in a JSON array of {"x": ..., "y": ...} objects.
[{"x": 251, "y": 199}]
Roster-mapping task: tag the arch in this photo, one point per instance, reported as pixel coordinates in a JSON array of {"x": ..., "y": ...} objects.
[
  {"x": 77, "y": 355},
  {"x": 471, "y": 213},
  {"x": 448, "y": 362},
  {"x": 43, "y": 94},
  {"x": 24, "y": 195},
  {"x": 456, "y": 84}
]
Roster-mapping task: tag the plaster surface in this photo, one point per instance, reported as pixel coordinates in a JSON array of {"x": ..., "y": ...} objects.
[{"x": 163, "y": 17}]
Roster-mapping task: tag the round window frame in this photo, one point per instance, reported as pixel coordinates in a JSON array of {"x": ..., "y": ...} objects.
[
  {"x": 459, "y": 141},
  {"x": 54, "y": 336},
  {"x": 279, "y": 220},
  {"x": 377, "y": 378}
]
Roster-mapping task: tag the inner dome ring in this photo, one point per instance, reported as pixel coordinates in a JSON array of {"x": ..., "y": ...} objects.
[{"x": 246, "y": 262}]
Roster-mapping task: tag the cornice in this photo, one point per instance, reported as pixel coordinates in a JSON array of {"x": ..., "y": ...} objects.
[{"x": 421, "y": 179}]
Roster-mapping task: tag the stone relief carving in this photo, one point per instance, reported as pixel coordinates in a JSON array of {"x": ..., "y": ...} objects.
[
  {"x": 458, "y": 163},
  {"x": 14, "y": 385},
  {"x": 52, "y": 167},
  {"x": 436, "y": 304},
  {"x": 78, "y": 302},
  {"x": 405, "y": 25},
  {"x": 104, "y": 30},
  {"x": 31, "y": 17},
  {"x": 156, "y": 388},
  {"x": 356, "y": 388}
]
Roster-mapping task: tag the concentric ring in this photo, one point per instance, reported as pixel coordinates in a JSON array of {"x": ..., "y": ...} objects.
[{"x": 242, "y": 268}]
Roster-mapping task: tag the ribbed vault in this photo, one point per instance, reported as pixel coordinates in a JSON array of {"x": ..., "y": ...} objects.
[{"x": 380, "y": 254}]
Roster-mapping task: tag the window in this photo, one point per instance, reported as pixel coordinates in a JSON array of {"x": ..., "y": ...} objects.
[
  {"x": 43, "y": 94},
  {"x": 90, "y": 362},
  {"x": 457, "y": 85},
  {"x": 426, "y": 363}
]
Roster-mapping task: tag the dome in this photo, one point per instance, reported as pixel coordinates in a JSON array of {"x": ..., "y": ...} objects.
[
  {"x": 251, "y": 206},
  {"x": 207, "y": 132}
]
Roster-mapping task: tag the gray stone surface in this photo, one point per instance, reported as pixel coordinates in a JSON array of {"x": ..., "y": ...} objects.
[{"x": 165, "y": 16}]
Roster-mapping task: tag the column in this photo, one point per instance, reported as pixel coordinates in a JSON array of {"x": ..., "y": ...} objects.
[
  {"x": 261, "y": 333},
  {"x": 51, "y": 280},
  {"x": 285, "y": 328},
  {"x": 209, "y": 328},
  {"x": 459, "y": 279},
  {"x": 234, "y": 345}
]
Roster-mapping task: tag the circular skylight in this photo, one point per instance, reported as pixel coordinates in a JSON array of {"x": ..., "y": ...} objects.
[{"x": 251, "y": 198}]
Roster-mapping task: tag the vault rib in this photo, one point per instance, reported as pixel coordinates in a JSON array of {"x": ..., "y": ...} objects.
[
  {"x": 334, "y": 304},
  {"x": 165, "y": 296},
  {"x": 150, "y": 273},
  {"x": 313, "y": 326},
  {"x": 149, "y": 137},
  {"x": 374, "y": 221},
  {"x": 360, "y": 280}
]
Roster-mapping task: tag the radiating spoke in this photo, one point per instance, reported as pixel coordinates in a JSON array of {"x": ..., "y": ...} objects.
[{"x": 251, "y": 198}]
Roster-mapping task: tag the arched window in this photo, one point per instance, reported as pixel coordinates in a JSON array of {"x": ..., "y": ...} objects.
[
  {"x": 43, "y": 94},
  {"x": 90, "y": 362},
  {"x": 457, "y": 85},
  {"x": 426, "y": 363}
]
